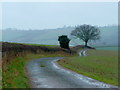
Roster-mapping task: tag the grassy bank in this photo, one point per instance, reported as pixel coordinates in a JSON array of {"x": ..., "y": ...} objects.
[
  {"x": 100, "y": 65},
  {"x": 14, "y": 75},
  {"x": 15, "y": 57},
  {"x": 37, "y": 44}
]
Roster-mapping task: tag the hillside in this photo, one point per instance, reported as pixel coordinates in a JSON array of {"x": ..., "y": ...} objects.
[{"x": 109, "y": 36}]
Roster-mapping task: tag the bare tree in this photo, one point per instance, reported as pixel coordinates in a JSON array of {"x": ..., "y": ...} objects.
[{"x": 86, "y": 33}]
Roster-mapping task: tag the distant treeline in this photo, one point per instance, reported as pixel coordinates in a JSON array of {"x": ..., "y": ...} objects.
[{"x": 109, "y": 36}]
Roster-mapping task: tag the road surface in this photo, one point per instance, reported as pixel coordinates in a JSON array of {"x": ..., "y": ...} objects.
[
  {"x": 83, "y": 52},
  {"x": 46, "y": 73}
]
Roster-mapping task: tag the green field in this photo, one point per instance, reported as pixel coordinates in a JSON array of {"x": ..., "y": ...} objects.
[
  {"x": 101, "y": 65},
  {"x": 114, "y": 48}
]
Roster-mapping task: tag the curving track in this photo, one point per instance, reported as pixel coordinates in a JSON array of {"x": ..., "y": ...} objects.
[{"x": 51, "y": 75}]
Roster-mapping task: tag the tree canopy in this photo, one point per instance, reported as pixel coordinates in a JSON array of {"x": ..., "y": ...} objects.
[
  {"x": 86, "y": 33},
  {"x": 64, "y": 41}
]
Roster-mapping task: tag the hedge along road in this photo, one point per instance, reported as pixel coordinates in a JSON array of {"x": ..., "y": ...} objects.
[{"x": 46, "y": 73}]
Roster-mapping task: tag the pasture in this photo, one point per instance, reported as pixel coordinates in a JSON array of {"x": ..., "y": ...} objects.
[
  {"x": 113, "y": 48},
  {"x": 101, "y": 65}
]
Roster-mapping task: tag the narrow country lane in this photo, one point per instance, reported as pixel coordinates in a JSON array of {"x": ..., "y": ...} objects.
[
  {"x": 83, "y": 52},
  {"x": 46, "y": 73}
]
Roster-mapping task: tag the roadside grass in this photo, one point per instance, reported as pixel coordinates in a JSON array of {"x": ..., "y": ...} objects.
[
  {"x": 36, "y": 44},
  {"x": 0, "y": 71},
  {"x": 15, "y": 56},
  {"x": 14, "y": 74},
  {"x": 100, "y": 65},
  {"x": 0, "y": 78},
  {"x": 42, "y": 45}
]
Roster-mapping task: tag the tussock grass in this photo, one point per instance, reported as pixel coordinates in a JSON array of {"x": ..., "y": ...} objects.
[{"x": 100, "y": 65}]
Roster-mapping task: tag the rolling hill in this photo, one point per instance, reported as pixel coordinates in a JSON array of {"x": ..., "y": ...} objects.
[{"x": 109, "y": 36}]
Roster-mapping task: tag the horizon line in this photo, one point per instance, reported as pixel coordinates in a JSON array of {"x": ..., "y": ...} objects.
[{"x": 65, "y": 26}]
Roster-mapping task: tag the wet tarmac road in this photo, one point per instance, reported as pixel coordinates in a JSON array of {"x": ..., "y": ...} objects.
[{"x": 46, "y": 73}]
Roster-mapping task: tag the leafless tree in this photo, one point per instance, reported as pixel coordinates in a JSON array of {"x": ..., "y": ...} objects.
[{"x": 86, "y": 33}]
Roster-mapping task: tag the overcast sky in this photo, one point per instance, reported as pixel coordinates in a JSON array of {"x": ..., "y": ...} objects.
[{"x": 44, "y": 15}]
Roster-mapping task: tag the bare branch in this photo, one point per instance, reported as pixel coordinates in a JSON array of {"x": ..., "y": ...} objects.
[{"x": 86, "y": 33}]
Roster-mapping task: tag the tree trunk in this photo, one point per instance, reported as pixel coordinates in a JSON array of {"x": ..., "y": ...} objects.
[{"x": 85, "y": 43}]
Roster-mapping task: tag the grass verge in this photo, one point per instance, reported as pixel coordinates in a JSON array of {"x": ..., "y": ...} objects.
[
  {"x": 14, "y": 75},
  {"x": 99, "y": 65},
  {"x": 0, "y": 78},
  {"x": 37, "y": 44}
]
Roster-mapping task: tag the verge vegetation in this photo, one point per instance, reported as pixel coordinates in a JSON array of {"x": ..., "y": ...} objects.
[
  {"x": 101, "y": 65},
  {"x": 14, "y": 59}
]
